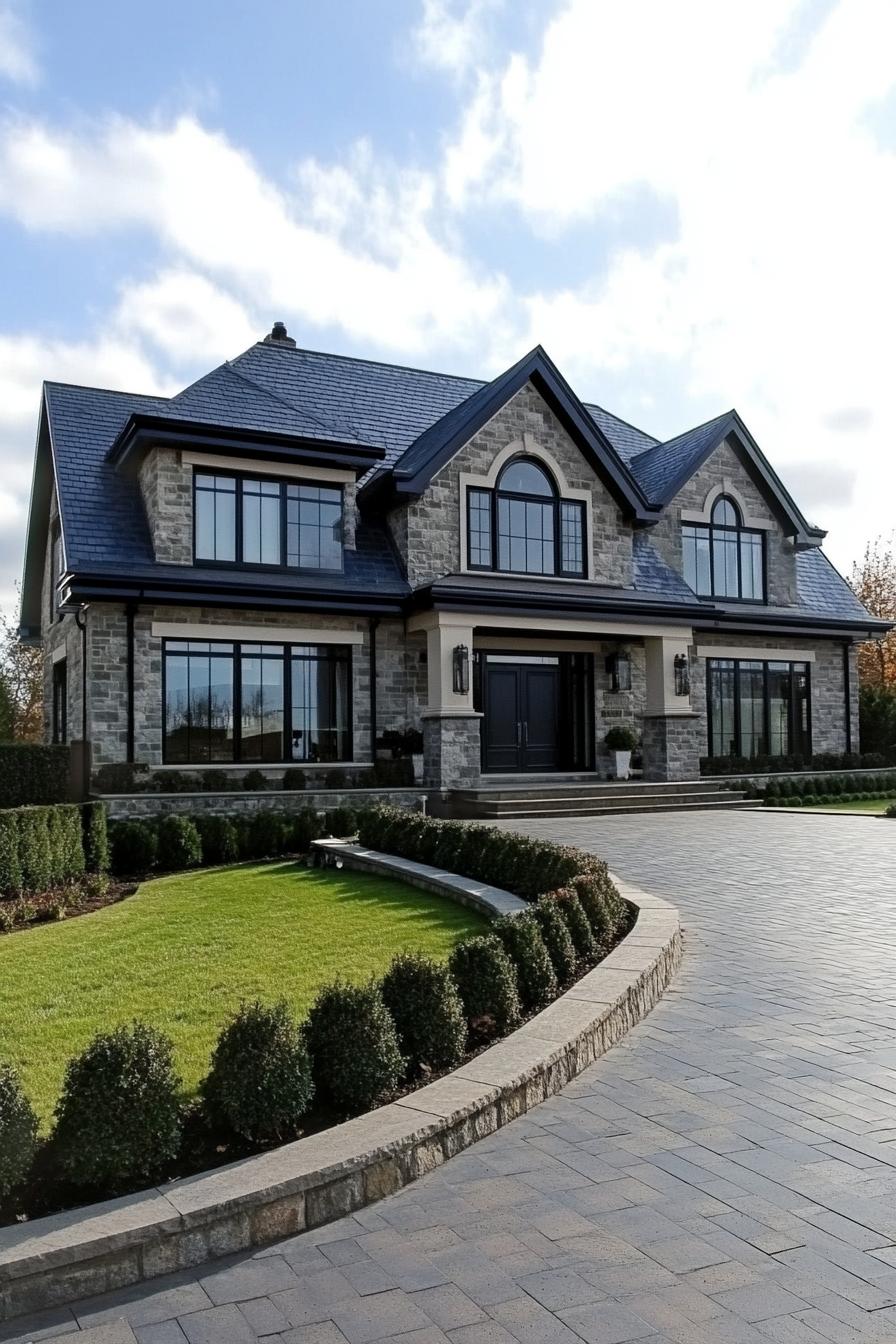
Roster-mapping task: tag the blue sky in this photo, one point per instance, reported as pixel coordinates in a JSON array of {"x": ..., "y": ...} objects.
[{"x": 690, "y": 206}]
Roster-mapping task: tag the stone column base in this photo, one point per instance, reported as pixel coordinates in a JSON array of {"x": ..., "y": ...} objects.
[
  {"x": 451, "y": 751},
  {"x": 672, "y": 746}
]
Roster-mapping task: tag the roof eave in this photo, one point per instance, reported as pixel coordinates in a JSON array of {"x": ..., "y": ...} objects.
[{"x": 143, "y": 432}]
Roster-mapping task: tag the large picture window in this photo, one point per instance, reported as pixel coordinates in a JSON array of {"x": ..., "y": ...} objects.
[
  {"x": 262, "y": 521},
  {"x": 758, "y": 708},
  {"x": 724, "y": 559},
  {"x": 523, "y": 526},
  {"x": 235, "y": 702}
]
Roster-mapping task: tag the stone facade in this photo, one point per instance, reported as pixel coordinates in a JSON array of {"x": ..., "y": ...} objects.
[
  {"x": 724, "y": 467},
  {"x": 166, "y": 485},
  {"x": 427, "y": 533},
  {"x": 672, "y": 746},
  {"x": 451, "y": 751}
]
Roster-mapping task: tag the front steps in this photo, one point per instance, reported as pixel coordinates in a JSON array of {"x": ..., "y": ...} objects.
[{"x": 518, "y": 797}]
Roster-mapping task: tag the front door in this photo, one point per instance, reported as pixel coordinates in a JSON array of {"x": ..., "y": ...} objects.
[{"x": 522, "y": 713}]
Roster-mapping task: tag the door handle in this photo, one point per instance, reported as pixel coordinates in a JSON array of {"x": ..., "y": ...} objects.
[
  {"x": 519, "y": 733},
  {"x": 526, "y": 733}
]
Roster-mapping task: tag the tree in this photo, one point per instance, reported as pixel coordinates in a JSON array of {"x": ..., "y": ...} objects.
[
  {"x": 874, "y": 583},
  {"x": 21, "y": 685}
]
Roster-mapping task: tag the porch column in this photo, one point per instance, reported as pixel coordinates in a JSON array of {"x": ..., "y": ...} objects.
[
  {"x": 672, "y": 732},
  {"x": 451, "y": 744}
]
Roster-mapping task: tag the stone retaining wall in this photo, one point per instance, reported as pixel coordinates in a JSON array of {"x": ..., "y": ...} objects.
[
  {"x": 121, "y": 805},
  {"x": 305, "y": 1184}
]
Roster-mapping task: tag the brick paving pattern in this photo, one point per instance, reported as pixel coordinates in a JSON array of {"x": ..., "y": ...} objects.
[{"x": 727, "y": 1175}]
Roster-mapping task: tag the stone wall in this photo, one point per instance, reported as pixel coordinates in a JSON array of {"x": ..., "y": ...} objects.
[
  {"x": 451, "y": 751},
  {"x": 127, "y": 805},
  {"x": 672, "y": 746},
  {"x": 724, "y": 465},
  {"x": 166, "y": 486},
  {"x": 427, "y": 532}
]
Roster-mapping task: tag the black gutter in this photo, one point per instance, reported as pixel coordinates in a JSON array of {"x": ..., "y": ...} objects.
[
  {"x": 145, "y": 432},
  {"x": 374, "y": 622},
  {"x": 847, "y": 694},
  {"x": 352, "y": 604},
  {"x": 129, "y": 618}
]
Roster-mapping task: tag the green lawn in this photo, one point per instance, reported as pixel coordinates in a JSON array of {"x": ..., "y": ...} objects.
[
  {"x": 876, "y": 805},
  {"x": 184, "y": 950}
]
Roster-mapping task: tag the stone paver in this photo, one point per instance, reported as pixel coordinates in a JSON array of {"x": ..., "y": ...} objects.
[{"x": 727, "y": 1175}]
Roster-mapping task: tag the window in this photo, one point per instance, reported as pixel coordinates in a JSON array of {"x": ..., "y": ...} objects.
[
  {"x": 523, "y": 527},
  {"x": 758, "y": 708},
  {"x": 724, "y": 559},
  {"x": 56, "y": 568},
  {"x": 256, "y": 702},
  {"x": 60, "y": 701},
  {"x": 249, "y": 521}
]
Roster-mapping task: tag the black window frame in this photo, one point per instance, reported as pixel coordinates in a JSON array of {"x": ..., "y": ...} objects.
[
  {"x": 282, "y": 482},
  {"x": 796, "y": 667},
  {"x": 57, "y": 562},
  {"x": 59, "y": 725},
  {"x": 710, "y": 530},
  {"x": 556, "y": 502},
  {"x": 236, "y": 647}
]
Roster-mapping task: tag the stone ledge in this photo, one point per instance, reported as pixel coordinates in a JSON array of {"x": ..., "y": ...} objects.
[
  {"x": 312, "y": 1181},
  {"x": 493, "y": 901}
]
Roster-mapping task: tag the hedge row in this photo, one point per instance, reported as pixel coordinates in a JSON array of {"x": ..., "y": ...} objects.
[
  {"x": 822, "y": 760},
  {"x": 130, "y": 778},
  {"x": 46, "y": 847},
  {"x": 120, "y": 1119},
  {"x": 172, "y": 842},
  {"x": 832, "y": 787},
  {"x": 820, "y": 799},
  {"x": 32, "y": 774}
]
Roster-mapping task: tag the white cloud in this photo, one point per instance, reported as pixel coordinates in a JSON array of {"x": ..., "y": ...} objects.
[
  {"x": 18, "y": 62},
  {"x": 450, "y": 33},
  {"x": 186, "y": 318}
]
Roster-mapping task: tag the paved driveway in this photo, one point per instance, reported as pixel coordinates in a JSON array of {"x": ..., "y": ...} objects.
[{"x": 726, "y": 1174}]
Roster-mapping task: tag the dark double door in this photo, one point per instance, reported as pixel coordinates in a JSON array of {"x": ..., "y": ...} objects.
[{"x": 522, "y": 714}]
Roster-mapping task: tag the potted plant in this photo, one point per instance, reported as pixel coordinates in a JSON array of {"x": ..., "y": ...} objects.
[{"x": 622, "y": 742}]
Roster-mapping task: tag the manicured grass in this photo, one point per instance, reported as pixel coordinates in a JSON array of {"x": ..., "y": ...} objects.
[
  {"x": 875, "y": 805},
  {"x": 183, "y": 952}
]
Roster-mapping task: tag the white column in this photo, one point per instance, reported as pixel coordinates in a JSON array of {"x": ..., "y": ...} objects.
[
  {"x": 661, "y": 652},
  {"x": 441, "y": 641}
]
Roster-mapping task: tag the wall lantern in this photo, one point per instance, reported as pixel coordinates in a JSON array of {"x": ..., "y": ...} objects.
[
  {"x": 460, "y": 664},
  {"x": 682, "y": 670},
  {"x": 619, "y": 670}
]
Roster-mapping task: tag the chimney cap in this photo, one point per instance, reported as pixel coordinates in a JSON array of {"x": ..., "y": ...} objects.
[{"x": 279, "y": 335}]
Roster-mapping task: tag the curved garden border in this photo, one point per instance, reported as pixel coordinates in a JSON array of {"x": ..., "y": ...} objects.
[{"x": 314, "y": 1180}]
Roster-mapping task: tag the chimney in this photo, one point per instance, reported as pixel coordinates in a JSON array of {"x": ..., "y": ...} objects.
[{"x": 278, "y": 335}]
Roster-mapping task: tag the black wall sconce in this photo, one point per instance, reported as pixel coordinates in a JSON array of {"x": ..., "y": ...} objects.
[
  {"x": 460, "y": 665},
  {"x": 619, "y": 670},
  {"x": 682, "y": 670}
]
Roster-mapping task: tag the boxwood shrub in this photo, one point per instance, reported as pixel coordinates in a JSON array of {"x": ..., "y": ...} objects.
[
  {"x": 40, "y": 847},
  {"x": 96, "y": 837},
  {"x": 603, "y": 907},
  {"x": 220, "y": 839},
  {"x": 180, "y": 845},
  {"x": 31, "y": 773},
  {"x": 576, "y": 922},
  {"x": 523, "y": 943},
  {"x": 556, "y": 937},
  {"x": 427, "y": 1012},
  {"x": 487, "y": 983},
  {"x": 18, "y": 1132},
  {"x": 259, "y": 1085},
  {"x": 304, "y": 828},
  {"x": 134, "y": 847},
  {"x": 356, "y": 1061},
  {"x": 119, "y": 1115}
]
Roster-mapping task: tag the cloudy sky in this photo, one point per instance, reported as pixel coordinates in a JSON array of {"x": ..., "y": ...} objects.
[{"x": 692, "y": 206}]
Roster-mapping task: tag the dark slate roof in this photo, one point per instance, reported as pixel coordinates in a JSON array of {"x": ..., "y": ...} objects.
[
  {"x": 659, "y": 467},
  {"x": 229, "y": 398},
  {"x": 557, "y": 594},
  {"x": 821, "y": 589},
  {"x": 653, "y": 575}
]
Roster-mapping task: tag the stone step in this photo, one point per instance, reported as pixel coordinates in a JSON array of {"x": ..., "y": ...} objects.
[
  {"x": 583, "y": 808},
  {"x": 631, "y": 801},
  {"x": 550, "y": 786}
]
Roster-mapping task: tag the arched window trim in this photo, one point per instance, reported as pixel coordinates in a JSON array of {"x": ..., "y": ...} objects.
[
  {"x": 568, "y": 542},
  {"x": 723, "y": 559}
]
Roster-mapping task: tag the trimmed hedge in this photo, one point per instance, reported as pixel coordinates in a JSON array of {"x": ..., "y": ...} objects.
[
  {"x": 549, "y": 917},
  {"x": 576, "y": 922},
  {"x": 40, "y": 847},
  {"x": 823, "y": 760},
  {"x": 356, "y": 1061},
  {"x": 179, "y": 843},
  {"x": 18, "y": 1132},
  {"x": 427, "y": 1012},
  {"x": 826, "y": 788},
  {"x": 259, "y": 1085},
  {"x": 119, "y": 1117},
  {"x": 32, "y": 774},
  {"x": 523, "y": 943},
  {"x": 96, "y": 837},
  {"x": 487, "y": 983}
]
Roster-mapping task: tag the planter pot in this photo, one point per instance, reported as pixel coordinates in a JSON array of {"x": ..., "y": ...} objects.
[
  {"x": 623, "y": 764},
  {"x": 417, "y": 760}
]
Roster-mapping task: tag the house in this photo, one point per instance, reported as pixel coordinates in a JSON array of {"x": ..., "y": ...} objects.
[{"x": 302, "y": 551}]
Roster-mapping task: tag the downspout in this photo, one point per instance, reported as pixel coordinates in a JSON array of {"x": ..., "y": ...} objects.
[
  {"x": 129, "y": 618},
  {"x": 374, "y": 622},
  {"x": 81, "y": 622},
  {"x": 847, "y": 695}
]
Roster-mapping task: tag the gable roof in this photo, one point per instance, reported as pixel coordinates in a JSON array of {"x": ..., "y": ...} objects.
[
  {"x": 415, "y": 468},
  {"x": 664, "y": 468}
]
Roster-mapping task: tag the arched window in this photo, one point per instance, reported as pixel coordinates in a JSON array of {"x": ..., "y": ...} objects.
[
  {"x": 724, "y": 559},
  {"x": 523, "y": 526}
]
